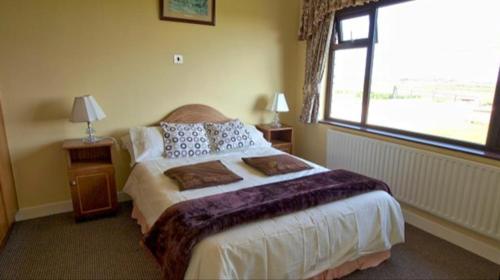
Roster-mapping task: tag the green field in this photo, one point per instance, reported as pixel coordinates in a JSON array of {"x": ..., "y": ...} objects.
[{"x": 457, "y": 111}]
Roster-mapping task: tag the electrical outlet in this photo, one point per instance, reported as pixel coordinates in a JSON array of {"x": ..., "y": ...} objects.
[{"x": 178, "y": 59}]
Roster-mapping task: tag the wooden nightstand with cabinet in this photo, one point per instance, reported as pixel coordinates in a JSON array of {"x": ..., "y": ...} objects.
[
  {"x": 91, "y": 177},
  {"x": 280, "y": 137}
]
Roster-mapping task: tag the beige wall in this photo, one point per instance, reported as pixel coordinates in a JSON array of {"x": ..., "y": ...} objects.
[{"x": 118, "y": 51}]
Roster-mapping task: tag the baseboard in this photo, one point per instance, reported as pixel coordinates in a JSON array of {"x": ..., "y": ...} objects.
[
  {"x": 465, "y": 241},
  {"x": 54, "y": 208}
]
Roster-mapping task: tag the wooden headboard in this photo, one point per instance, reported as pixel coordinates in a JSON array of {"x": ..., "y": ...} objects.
[{"x": 194, "y": 113}]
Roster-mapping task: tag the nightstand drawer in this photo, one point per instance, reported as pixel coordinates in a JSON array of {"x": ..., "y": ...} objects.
[
  {"x": 285, "y": 147},
  {"x": 93, "y": 192}
]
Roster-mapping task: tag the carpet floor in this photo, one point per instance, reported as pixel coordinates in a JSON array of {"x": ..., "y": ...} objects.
[{"x": 56, "y": 247}]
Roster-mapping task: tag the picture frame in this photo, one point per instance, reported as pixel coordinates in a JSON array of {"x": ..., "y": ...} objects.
[{"x": 189, "y": 11}]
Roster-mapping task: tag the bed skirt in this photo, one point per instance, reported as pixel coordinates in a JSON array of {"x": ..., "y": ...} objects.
[
  {"x": 141, "y": 221},
  {"x": 364, "y": 262}
]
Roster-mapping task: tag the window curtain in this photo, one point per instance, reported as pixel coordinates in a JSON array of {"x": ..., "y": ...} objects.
[{"x": 316, "y": 26}]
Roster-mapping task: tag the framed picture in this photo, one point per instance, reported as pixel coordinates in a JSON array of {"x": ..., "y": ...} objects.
[{"x": 191, "y": 11}]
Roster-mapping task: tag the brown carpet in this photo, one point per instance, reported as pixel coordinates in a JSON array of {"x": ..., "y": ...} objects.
[{"x": 57, "y": 248}]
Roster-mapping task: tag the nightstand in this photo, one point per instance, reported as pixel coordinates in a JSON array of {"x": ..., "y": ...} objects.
[
  {"x": 280, "y": 137},
  {"x": 91, "y": 178}
]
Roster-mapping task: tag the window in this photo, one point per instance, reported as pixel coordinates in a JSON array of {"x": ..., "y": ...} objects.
[
  {"x": 418, "y": 68},
  {"x": 347, "y": 95},
  {"x": 351, "y": 29}
]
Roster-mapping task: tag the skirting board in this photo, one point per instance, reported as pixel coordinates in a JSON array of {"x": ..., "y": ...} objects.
[
  {"x": 54, "y": 208},
  {"x": 473, "y": 245}
]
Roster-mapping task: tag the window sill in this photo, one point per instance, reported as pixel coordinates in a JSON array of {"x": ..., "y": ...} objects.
[{"x": 447, "y": 146}]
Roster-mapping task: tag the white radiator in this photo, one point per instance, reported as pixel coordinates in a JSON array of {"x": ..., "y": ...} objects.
[{"x": 460, "y": 191}]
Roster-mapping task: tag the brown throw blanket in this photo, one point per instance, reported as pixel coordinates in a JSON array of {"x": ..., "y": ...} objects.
[{"x": 174, "y": 235}]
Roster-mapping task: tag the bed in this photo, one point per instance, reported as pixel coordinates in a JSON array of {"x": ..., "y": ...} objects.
[{"x": 323, "y": 242}]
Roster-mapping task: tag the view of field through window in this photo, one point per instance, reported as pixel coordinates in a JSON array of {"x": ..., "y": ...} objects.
[{"x": 434, "y": 72}]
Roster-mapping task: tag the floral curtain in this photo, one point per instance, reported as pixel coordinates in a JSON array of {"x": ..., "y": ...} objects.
[{"x": 316, "y": 28}]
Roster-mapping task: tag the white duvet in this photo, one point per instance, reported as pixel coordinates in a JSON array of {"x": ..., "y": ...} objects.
[{"x": 294, "y": 246}]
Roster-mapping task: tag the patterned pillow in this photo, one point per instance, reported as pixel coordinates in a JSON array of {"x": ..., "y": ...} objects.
[
  {"x": 229, "y": 135},
  {"x": 185, "y": 140}
]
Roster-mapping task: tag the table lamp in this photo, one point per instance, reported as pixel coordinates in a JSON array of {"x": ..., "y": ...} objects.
[
  {"x": 86, "y": 109},
  {"x": 277, "y": 105}
]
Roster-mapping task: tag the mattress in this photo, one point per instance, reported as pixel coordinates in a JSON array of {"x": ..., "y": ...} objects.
[{"x": 294, "y": 246}]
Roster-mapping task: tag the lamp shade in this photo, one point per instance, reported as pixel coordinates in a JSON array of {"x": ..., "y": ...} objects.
[
  {"x": 278, "y": 103},
  {"x": 86, "y": 109}
]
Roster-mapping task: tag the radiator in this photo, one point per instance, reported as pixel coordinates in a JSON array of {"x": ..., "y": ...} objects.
[{"x": 460, "y": 191}]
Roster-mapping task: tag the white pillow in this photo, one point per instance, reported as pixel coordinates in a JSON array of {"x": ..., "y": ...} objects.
[
  {"x": 257, "y": 136},
  {"x": 144, "y": 143}
]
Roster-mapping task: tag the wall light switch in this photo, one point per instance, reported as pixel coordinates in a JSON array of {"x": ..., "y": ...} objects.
[{"x": 178, "y": 59}]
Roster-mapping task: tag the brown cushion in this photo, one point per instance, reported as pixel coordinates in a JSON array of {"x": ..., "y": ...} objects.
[
  {"x": 201, "y": 175},
  {"x": 276, "y": 165}
]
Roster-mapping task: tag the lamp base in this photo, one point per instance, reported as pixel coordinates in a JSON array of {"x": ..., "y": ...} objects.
[
  {"x": 91, "y": 138},
  {"x": 276, "y": 121}
]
